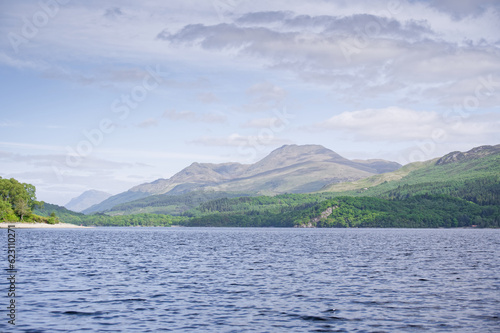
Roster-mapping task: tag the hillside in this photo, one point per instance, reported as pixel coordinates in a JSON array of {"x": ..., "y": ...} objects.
[
  {"x": 86, "y": 199},
  {"x": 289, "y": 169},
  {"x": 368, "y": 182},
  {"x": 422, "y": 211},
  {"x": 68, "y": 216},
  {"x": 457, "y": 190},
  {"x": 63, "y": 213},
  {"x": 169, "y": 204},
  {"x": 453, "y": 172}
]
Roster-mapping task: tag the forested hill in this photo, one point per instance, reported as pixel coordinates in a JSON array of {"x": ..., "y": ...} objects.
[
  {"x": 422, "y": 211},
  {"x": 147, "y": 220},
  {"x": 458, "y": 190}
]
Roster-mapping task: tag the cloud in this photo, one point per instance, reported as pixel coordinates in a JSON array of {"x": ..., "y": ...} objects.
[
  {"x": 207, "y": 98},
  {"x": 264, "y": 123},
  {"x": 150, "y": 122},
  {"x": 49, "y": 160},
  {"x": 264, "y": 97},
  {"x": 263, "y": 17},
  {"x": 9, "y": 124},
  {"x": 394, "y": 124},
  {"x": 193, "y": 117},
  {"x": 113, "y": 12},
  {"x": 17, "y": 145},
  {"x": 463, "y": 8},
  {"x": 237, "y": 140},
  {"x": 20, "y": 63},
  {"x": 374, "y": 55},
  {"x": 267, "y": 92},
  {"x": 179, "y": 115},
  {"x": 213, "y": 118}
]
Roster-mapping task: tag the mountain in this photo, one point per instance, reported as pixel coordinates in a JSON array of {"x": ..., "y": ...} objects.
[
  {"x": 86, "y": 199},
  {"x": 460, "y": 189},
  {"x": 473, "y": 175},
  {"x": 288, "y": 169}
]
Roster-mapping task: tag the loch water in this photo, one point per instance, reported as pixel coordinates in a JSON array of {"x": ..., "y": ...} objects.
[{"x": 254, "y": 280}]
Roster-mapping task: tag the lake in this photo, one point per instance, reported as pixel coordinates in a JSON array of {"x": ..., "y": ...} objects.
[{"x": 254, "y": 280}]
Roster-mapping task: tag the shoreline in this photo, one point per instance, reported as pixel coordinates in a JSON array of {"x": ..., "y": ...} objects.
[{"x": 25, "y": 225}]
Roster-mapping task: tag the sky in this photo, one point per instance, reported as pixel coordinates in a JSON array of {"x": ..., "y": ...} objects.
[{"x": 107, "y": 95}]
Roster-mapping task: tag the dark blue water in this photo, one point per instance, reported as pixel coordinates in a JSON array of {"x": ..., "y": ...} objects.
[{"x": 255, "y": 280}]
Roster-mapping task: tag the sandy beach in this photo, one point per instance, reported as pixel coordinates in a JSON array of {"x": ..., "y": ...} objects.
[{"x": 21, "y": 225}]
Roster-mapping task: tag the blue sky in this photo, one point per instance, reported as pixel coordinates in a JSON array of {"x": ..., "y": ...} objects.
[{"x": 109, "y": 95}]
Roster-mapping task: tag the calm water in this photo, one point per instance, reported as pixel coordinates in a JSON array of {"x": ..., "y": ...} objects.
[{"x": 255, "y": 280}]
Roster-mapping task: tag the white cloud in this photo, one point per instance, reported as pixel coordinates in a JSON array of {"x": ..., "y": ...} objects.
[{"x": 398, "y": 124}]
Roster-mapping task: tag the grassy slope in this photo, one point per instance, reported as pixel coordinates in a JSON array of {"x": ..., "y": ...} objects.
[
  {"x": 377, "y": 179},
  {"x": 60, "y": 211},
  {"x": 421, "y": 174},
  {"x": 169, "y": 204}
]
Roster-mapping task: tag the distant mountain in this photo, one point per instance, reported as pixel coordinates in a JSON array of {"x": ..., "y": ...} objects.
[
  {"x": 86, "y": 199},
  {"x": 288, "y": 169}
]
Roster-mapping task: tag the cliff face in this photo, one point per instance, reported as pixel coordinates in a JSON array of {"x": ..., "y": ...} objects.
[{"x": 312, "y": 223}]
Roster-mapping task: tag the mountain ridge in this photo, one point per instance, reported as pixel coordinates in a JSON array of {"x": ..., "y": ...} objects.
[{"x": 288, "y": 169}]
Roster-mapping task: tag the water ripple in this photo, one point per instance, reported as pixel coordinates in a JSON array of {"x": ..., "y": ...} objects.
[{"x": 257, "y": 280}]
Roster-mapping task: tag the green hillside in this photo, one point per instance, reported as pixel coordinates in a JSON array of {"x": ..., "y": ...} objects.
[
  {"x": 459, "y": 189},
  {"x": 169, "y": 204},
  {"x": 68, "y": 216},
  {"x": 423, "y": 211},
  {"x": 377, "y": 179},
  {"x": 475, "y": 178}
]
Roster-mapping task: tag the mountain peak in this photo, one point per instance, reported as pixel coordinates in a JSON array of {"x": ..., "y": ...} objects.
[
  {"x": 309, "y": 148},
  {"x": 472, "y": 154},
  {"x": 86, "y": 200}
]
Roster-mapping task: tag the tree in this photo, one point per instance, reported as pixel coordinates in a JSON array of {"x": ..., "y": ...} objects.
[
  {"x": 21, "y": 208},
  {"x": 6, "y": 212},
  {"x": 31, "y": 195}
]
